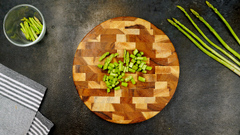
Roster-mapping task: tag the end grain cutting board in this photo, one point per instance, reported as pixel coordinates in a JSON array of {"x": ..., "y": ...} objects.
[{"x": 138, "y": 102}]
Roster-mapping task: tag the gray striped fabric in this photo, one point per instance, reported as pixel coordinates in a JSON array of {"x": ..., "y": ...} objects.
[
  {"x": 20, "y": 92},
  {"x": 20, "y": 99},
  {"x": 40, "y": 125}
]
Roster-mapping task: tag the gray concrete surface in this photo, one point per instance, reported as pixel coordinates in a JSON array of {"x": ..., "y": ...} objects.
[{"x": 207, "y": 97}]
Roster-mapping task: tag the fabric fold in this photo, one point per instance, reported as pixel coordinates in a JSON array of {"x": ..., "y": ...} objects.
[
  {"x": 40, "y": 125},
  {"x": 20, "y": 99}
]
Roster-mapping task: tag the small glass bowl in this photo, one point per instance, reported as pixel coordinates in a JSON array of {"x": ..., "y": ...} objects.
[{"x": 11, "y": 24}]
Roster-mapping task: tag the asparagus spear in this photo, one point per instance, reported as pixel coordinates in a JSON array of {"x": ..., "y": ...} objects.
[
  {"x": 25, "y": 32},
  {"x": 29, "y": 31},
  {"x": 205, "y": 45},
  {"x": 103, "y": 56},
  {"x": 204, "y": 50},
  {"x": 35, "y": 28},
  {"x": 142, "y": 79},
  {"x": 209, "y": 41},
  {"x": 224, "y": 20},
  {"x": 216, "y": 34},
  {"x": 37, "y": 23},
  {"x": 33, "y": 32}
]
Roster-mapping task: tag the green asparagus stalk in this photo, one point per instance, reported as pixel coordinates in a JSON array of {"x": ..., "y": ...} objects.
[
  {"x": 104, "y": 56},
  {"x": 34, "y": 26},
  {"x": 142, "y": 79},
  {"x": 31, "y": 28},
  {"x": 209, "y": 41},
  {"x": 29, "y": 31},
  {"x": 25, "y": 19},
  {"x": 33, "y": 32},
  {"x": 24, "y": 31},
  {"x": 204, "y": 50},
  {"x": 37, "y": 23},
  {"x": 205, "y": 45},
  {"x": 216, "y": 34},
  {"x": 224, "y": 20}
]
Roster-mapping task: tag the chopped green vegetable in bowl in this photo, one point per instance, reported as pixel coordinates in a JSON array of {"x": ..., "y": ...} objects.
[
  {"x": 31, "y": 28},
  {"x": 24, "y": 25}
]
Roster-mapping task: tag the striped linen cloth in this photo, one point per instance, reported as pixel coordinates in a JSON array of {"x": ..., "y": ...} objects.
[
  {"x": 20, "y": 99},
  {"x": 40, "y": 125}
]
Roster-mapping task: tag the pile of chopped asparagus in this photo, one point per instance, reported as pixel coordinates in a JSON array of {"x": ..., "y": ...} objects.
[
  {"x": 232, "y": 65},
  {"x": 31, "y": 28},
  {"x": 117, "y": 71}
]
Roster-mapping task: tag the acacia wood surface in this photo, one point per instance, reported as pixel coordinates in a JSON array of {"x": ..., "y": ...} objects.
[{"x": 135, "y": 103}]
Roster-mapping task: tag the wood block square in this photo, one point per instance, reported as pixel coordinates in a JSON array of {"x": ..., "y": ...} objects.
[
  {"x": 142, "y": 100},
  {"x": 126, "y": 100},
  {"x": 131, "y": 38},
  {"x": 106, "y": 99},
  {"x": 163, "y": 46},
  {"x": 108, "y": 38},
  {"x": 117, "y": 25},
  {"x": 125, "y": 45},
  {"x": 145, "y": 85},
  {"x": 117, "y": 117},
  {"x": 141, "y": 106},
  {"x": 145, "y": 38},
  {"x": 150, "y": 114},
  {"x": 91, "y": 77},
  {"x": 108, "y": 107},
  {"x": 131, "y": 31},
  {"x": 143, "y": 92},
  {"x": 120, "y": 52},
  {"x": 82, "y": 45},
  {"x": 118, "y": 93},
  {"x": 163, "y": 53},
  {"x": 161, "y": 38},
  {"x": 161, "y": 85},
  {"x": 161, "y": 92},
  {"x": 150, "y": 77},
  {"x": 103, "y": 85},
  {"x": 162, "y": 69},
  {"x": 93, "y": 85},
  {"x": 147, "y": 25},
  {"x": 127, "y": 92},
  {"x": 121, "y": 38},
  {"x": 79, "y": 77},
  {"x": 81, "y": 84}
]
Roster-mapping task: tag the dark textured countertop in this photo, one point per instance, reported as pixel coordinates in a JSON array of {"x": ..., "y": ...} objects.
[{"x": 207, "y": 97}]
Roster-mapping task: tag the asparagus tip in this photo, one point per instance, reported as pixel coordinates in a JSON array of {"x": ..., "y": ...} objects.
[
  {"x": 170, "y": 21},
  {"x": 181, "y": 8},
  {"x": 194, "y": 12},
  {"x": 175, "y": 20},
  {"x": 209, "y": 4}
]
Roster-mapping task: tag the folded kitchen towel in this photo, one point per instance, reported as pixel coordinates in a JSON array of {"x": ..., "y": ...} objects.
[
  {"x": 40, "y": 125},
  {"x": 20, "y": 98}
]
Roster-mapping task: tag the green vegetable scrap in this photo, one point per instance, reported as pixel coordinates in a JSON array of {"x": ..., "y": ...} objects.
[
  {"x": 31, "y": 28},
  {"x": 103, "y": 56},
  {"x": 203, "y": 46},
  {"x": 116, "y": 71},
  {"x": 142, "y": 79}
]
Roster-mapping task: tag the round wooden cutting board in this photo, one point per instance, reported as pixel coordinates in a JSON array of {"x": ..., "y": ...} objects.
[{"x": 138, "y": 102}]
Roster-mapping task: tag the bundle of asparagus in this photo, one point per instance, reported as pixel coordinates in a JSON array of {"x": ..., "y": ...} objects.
[
  {"x": 31, "y": 28},
  {"x": 203, "y": 46}
]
